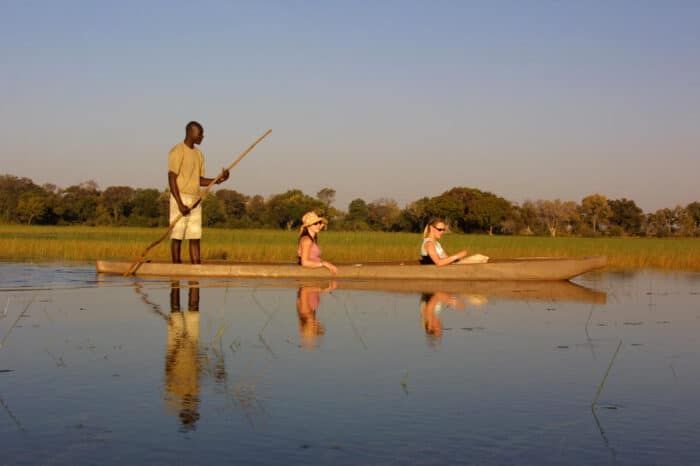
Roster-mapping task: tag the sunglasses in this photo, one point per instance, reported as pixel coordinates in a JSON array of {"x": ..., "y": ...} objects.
[
  {"x": 440, "y": 229},
  {"x": 320, "y": 222}
]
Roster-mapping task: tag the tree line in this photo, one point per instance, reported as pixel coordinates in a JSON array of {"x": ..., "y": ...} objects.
[{"x": 468, "y": 210}]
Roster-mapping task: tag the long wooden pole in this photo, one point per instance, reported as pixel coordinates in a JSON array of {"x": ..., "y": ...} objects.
[{"x": 201, "y": 196}]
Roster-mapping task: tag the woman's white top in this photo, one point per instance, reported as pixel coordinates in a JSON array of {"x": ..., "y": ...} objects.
[{"x": 438, "y": 248}]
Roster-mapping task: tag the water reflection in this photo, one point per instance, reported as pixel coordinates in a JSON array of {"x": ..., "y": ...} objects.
[
  {"x": 432, "y": 305},
  {"x": 540, "y": 383},
  {"x": 478, "y": 293},
  {"x": 182, "y": 363},
  {"x": 308, "y": 301}
]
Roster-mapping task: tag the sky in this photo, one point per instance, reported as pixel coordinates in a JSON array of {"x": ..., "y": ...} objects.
[{"x": 375, "y": 99}]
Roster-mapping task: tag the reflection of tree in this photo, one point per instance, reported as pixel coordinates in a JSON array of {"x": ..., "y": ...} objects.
[{"x": 182, "y": 363}]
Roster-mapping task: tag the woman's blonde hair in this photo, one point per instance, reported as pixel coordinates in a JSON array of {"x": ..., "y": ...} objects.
[{"x": 432, "y": 223}]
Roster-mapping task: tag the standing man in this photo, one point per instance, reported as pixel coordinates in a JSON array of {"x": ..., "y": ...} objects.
[{"x": 185, "y": 177}]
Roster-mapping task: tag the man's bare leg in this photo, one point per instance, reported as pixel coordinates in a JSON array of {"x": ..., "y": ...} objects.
[
  {"x": 175, "y": 245},
  {"x": 194, "y": 252}
]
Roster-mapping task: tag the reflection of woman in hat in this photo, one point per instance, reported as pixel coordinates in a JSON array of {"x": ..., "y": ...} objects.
[
  {"x": 308, "y": 300},
  {"x": 308, "y": 251}
]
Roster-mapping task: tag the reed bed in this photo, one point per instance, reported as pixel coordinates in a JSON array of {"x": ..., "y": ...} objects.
[{"x": 85, "y": 244}]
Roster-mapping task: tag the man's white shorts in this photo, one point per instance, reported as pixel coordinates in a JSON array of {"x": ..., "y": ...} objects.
[{"x": 190, "y": 226}]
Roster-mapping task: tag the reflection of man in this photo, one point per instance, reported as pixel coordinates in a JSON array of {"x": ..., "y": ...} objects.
[
  {"x": 182, "y": 365},
  {"x": 308, "y": 300}
]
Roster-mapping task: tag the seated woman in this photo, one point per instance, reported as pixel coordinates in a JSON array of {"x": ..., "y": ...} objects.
[
  {"x": 308, "y": 251},
  {"x": 431, "y": 251}
]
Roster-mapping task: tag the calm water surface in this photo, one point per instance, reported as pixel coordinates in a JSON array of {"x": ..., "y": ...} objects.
[{"x": 107, "y": 370}]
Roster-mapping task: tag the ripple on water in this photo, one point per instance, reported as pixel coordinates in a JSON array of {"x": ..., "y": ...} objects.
[{"x": 21, "y": 276}]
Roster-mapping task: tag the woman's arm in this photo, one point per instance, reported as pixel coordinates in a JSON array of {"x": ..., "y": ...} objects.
[{"x": 432, "y": 252}]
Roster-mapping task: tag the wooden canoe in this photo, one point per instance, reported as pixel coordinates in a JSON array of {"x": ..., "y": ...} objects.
[{"x": 537, "y": 269}]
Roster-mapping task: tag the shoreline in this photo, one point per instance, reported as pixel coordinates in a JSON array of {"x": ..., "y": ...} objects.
[{"x": 82, "y": 245}]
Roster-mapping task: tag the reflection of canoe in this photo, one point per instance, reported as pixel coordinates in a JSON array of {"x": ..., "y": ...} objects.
[
  {"x": 505, "y": 269},
  {"x": 560, "y": 290}
]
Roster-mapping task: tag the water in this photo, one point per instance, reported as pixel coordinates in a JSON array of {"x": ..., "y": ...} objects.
[{"x": 107, "y": 370}]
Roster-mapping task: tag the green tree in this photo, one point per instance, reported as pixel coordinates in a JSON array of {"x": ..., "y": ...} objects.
[
  {"x": 660, "y": 223},
  {"x": 489, "y": 212},
  {"x": 78, "y": 204},
  {"x": 32, "y": 206},
  {"x": 443, "y": 207},
  {"x": 625, "y": 214},
  {"x": 414, "y": 215},
  {"x": 527, "y": 219},
  {"x": 554, "y": 214},
  {"x": 682, "y": 222},
  {"x": 234, "y": 204},
  {"x": 357, "y": 210},
  {"x": 383, "y": 214},
  {"x": 481, "y": 210},
  {"x": 146, "y": 210},
  {"x": 212, "y": 211},
  {"x": 285, "y": 210},
  {"x": 145, "y": 203},
  {"x": 693, "y": 210},
  {"x": 417, "y": 214},
  {"x": 118, "y": 200},
  {"x": 255, "y": 209},
  {"x": 164, "y": 208},
  {"x": 11, "y": 188},
  {"x": 595, "y": 210},
  {"x": 52, "y": 199},
  {"x": 356, "y": 219},
  {"x": 327, "y": 197}
]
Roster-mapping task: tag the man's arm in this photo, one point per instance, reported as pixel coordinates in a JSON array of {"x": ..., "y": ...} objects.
[
  {"x": 220, "y": 179},
  {"x": 175, "y": 191}
]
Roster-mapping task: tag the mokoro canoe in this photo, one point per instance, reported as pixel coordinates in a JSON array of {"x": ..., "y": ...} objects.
[{"x": 503, "y": 269}]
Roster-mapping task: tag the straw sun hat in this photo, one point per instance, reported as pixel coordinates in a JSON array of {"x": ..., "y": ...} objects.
[{"x": 309, "y": 218}]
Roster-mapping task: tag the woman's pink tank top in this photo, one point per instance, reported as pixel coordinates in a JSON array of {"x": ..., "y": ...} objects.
[{"x": 314, "y": 252}]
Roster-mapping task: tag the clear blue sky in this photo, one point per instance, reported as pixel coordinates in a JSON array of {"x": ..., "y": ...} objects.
[{"x": 394, "y": 99}]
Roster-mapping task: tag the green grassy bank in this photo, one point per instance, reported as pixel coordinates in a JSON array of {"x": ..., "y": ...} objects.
[{"x": 82, "y": 244}]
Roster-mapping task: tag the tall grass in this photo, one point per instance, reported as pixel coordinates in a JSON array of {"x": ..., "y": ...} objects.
[{"x": 82, "y": 244}]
